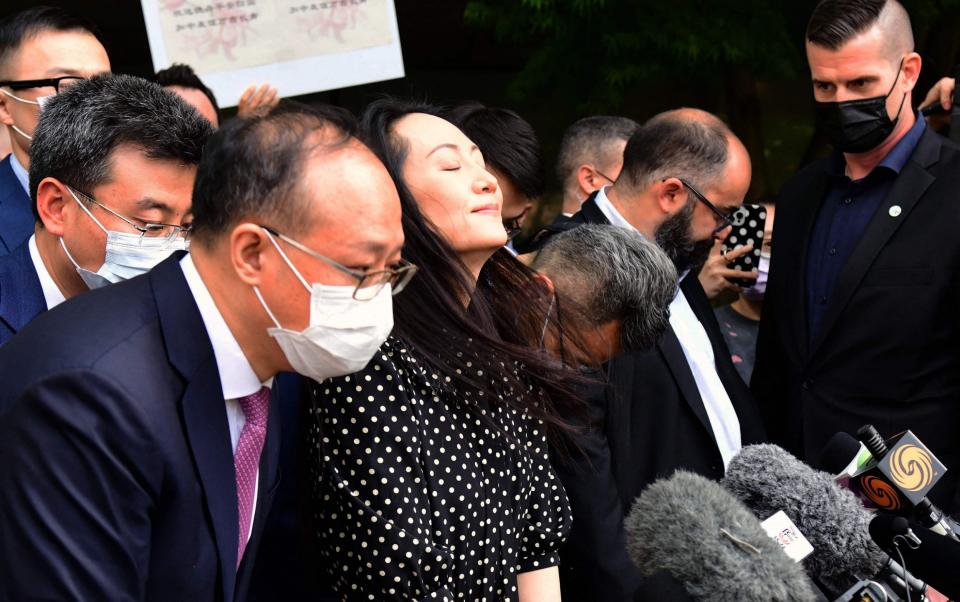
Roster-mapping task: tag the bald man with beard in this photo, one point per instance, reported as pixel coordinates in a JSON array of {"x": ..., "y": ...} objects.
[{"x": 860, "y": 322}]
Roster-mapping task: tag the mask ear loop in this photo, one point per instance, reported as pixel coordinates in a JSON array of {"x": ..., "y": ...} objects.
[
  {"x": 25, "y": 101},
  {"x": 69, "y": 256},
  {"x": 894, "y": 87},
  {"x": 256, "y": 291},
  {"x": 288, "y": 262},
  {"x": 546, "y": 320},
  {"x": 87, "y": 211},
  {"x": 18, "y": 99}
]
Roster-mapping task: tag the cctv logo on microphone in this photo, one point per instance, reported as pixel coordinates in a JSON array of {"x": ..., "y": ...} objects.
[{"x": 911, "y": 467}]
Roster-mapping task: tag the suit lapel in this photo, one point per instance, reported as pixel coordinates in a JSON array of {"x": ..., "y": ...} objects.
[
  {"x": 202, "y": 408},
  {"x": 676, "y": 361},
  {"x": 15, "y": 217},
  {"x": 21, "y": 298},
  {"x": 590, "y": 213},
  {"x": 906, "y": 191}
]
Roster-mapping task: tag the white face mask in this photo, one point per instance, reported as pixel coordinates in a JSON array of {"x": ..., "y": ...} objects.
[
  {"x": 343, "y": 334},
  {"x": 127, "y": 255},
  {"x": 41, "y": 101}
]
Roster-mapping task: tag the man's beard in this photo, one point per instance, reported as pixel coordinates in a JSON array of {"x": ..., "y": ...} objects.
[{"x": 675, "y": 239}]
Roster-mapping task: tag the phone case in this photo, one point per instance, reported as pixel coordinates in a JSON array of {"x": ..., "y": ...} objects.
[{"x": 748, "y": 224}]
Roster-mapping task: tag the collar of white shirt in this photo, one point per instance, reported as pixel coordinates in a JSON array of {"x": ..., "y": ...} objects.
[
  {"x": 51, "y": 292},
  {"x": 21, "y": 172},
  {"x": 609, "y": 211},
  {"x": 236, "y": 374}
]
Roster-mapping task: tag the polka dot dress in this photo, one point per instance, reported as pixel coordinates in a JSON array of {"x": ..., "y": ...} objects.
[{"x": 417, "y": 497}]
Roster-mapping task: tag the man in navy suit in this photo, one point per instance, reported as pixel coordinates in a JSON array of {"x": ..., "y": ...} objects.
[
  {"x": 43, "y": 51},
  {"x": 115, "y": 160},
  {"x": 138, "y": 450}
]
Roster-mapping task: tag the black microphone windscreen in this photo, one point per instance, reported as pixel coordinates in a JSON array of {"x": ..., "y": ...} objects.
[
  {"x": 768, "y": 479},
  {"x": 837, "y": 453},
  {"x": 677, "y": 525},
  {"x": 935, "y": 560}
]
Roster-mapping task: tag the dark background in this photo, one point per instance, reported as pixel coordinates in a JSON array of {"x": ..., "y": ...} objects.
[{"x": 557, "y": 60}]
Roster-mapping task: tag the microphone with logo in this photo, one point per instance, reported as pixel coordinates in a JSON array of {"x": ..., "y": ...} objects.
[
  {"x": 898, "y": 477},
  {"x": 845, "y": 561},
  {"x": 691, "y": 528}
]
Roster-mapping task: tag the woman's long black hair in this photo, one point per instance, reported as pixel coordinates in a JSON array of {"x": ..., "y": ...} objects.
[{"x": 502, "y": 325}]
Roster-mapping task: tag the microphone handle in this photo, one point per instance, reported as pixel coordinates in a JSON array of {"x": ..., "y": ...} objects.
[{"x": 934, "y": 519}]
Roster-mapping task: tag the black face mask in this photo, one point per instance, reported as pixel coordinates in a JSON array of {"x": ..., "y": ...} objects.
[{"x": 856, "y": 126}]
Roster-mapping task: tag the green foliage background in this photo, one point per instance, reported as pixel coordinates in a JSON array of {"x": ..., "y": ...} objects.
[{"x": 742, "y": 59}]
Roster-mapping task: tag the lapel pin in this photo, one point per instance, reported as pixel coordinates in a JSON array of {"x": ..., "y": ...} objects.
[{"x": 895, "y": 211}]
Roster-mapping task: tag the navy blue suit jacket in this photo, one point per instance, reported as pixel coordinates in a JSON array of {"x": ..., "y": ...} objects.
[
  {"x": 16, "y": 210},
  {"x": 21, "y": 298},
  {"x": 116, "y": 471}
]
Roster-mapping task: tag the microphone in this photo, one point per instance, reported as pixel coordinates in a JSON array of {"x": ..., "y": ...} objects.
[
  {"x": 690, "y": 528},
  {"x": 843, "y": 455},
  {"x": 934, "y": 558},
  {"x": 899, "y": 476},
  {"x": 768, "y": 479}
]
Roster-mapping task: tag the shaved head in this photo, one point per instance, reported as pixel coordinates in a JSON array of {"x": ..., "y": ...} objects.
[{"x": 835, "y": 22}]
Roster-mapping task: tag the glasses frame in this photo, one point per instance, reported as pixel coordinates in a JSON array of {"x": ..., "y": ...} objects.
[
  {"x": 725, "y": 219},
  {"x": 403, "y": 274},
  {"x": 146, "y": 227},
  {"x": 604, "y": 176},
  {"x": 26, "y": 84}
]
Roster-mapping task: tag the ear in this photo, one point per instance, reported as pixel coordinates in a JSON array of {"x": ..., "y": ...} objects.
[
  {"x": 544, "y": 282},
  {"x": 671, "y": 195},
  {"x": 5, "y": 117},
  {"x": 248, "y": 243},
  {"x": 53, "y": 198},
  {"x": 911, "y": 70},
  {"x": 586, "y": 180}
]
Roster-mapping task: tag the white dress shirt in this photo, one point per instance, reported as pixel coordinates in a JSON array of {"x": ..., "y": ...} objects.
[
  {"x": 698, "y": 350},
  {"x": 236, "y": 374},
  {"x": 21, "y": 172},
  {"x": 51, "y": 292}
]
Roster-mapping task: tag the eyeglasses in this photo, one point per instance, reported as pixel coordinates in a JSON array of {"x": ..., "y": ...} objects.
[
  {"x": 514, "y": 225},
  {"x": 57, "y": 83},
  {"x": 147, "y": 229},
  {"x": 604, "y": 176},
  {"x": 369, "y": 284},
  {"x": 725, "y": 219}
]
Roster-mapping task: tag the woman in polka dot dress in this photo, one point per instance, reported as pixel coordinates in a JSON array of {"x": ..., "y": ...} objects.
[{"x": 430, "y": 467}]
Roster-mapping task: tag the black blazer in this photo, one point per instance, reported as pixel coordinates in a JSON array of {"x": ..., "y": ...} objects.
[
  {"x": 888, "y": 351},
  {"x": 116, "y": 471},
  {"x": 650, "y": 421}
]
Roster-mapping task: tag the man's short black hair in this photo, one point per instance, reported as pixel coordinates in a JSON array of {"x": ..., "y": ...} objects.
[
  {"x": 252, "y": 167},
  {"x": 183, "y": 76},
  {"x": 508, "y": 144},
  {"x": 684, "y": 143},
  {"x": 81, "y": 127},
  {"x": 835, "y": 22},
  {"x": 18, "y": 27}
]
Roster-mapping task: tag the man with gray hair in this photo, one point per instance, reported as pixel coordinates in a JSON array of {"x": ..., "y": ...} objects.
[
  {"x": 611, "y": 290},
  {"x": 591, "y": 156},
  {"x": 680, "y": 404},
  {"x": 114, "y": 159}
]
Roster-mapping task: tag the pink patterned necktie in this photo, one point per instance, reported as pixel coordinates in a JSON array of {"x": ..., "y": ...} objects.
[{"x": 246, "y": 460}]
